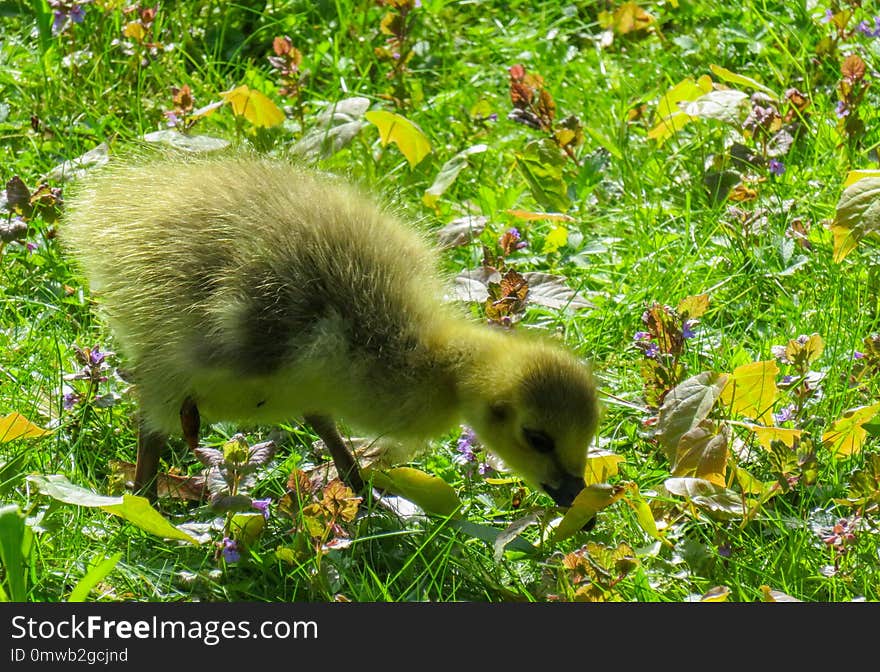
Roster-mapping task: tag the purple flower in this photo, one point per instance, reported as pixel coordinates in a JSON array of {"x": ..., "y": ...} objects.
[
  {"x": 485, "y": 469},
  {"x": 513, "y": 232},
  {"x": 262, "y": 505},
  {"x": 172, "y": 118},
  {"x": 858, "y": 355},
  {"x": 865, "y": 28},
  {"x": 829, "y": 16},
  {"x": 493, "y": 117},
  {"x": 785, "y": 415},
  {"x": 466, "y": 444},
  {"x": 230, "y": 550},
  {"x": 96, "y": 357},
  {"x": 776, "y": 167},
  {"x": 77, "y": 14},
  {"x": 841, "y": 110},
  {"x": 786, "y": 380},
  {"x": 652, "y": 351},
  {"x": 59, "y": 22},
  {"x": 641, "y": 336},
  {"x": 687, "y": 329},
  {"x": 70, "y": 400},
  {"x": 778, "y": 351}
]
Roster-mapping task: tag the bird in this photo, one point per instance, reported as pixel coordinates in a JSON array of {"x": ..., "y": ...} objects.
[{"x": 252, "y": 290}]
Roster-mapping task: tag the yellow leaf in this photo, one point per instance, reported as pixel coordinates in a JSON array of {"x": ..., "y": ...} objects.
[
  {"x": 671, "y": 118},
  {"x": 693, "y": 307},
  {"x": 856, "y": 175},
  {"x": 716, "y": 594},
  {"x": 135, "y": 31},
  {"x": 16, "y": 426},
  {"x": 527, "y": 216},
  {"x": 601, "y": 465},
  {"x": 845, "y": 241},
  {"x": 557, "y": 238},
  {"x": 625, "y": 19},
  {"x": 770, "y": 595},
  {"x": 431, "y": 493},
  {"x": 253, "y": 106},
  {"x": 591, "y": 499},
  {"x": 644, "y": 515},
  {"x": 766, "y": 435},
  {"x": 734, "y": 78},
  {"x": 846, "y": 435},
  {"x": 751, "y": 390},
  {"x": 408, "y": 137}
]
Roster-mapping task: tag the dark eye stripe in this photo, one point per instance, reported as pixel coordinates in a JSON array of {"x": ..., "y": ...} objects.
[{"x": 539, "y": 441}]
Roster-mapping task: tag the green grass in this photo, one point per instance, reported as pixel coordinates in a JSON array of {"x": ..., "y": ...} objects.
[{"x": 643, "y": 228}]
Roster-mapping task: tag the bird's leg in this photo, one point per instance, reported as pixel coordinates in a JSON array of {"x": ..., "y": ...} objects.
[
  {"x": 190, "y": 422},
  {"x": 146, "y": 472},
  {"x": 346, "y": 466}
]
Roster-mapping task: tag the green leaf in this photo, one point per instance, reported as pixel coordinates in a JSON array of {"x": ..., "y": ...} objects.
[
  {"x": 334, "y": 129},
  {"x": 858, "y": 215},
  {"x": 733, "y": 78},
  {"x": 670, "y": 118},
  {"x": 136, "y": 510},
  {"x": 723, "y": 105},
  {"x": 717, "y": 500},
  {"x": 702, "y": 452},
  {"x": 644, "y": 515},
  {"x": 431, "y": 493},
  {"x": 246, "y": 528},
  {"x": 552, "y": 291},
  {"x": 448, "y": 172},
  {"x": 558, "y": 237},
  {"x": 491, "y": 535},
  {"x": 511, "y": 532},
  {"x": 139, "y": 511},
  {"x": 187, "y": 142},
  {"x": 408, "y": 137},
  {"x": 14, "y": 542},
  {"x": 541, "y": 164},
  {"x": 99, "y": 567},
  {"x": 685, "y": 406}
]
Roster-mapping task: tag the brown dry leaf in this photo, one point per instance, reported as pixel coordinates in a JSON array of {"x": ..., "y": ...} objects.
[
  {"x": 741, "y": 193},
  {"x": 853, "y": 68},
  {"x": 174, "y": 486}
]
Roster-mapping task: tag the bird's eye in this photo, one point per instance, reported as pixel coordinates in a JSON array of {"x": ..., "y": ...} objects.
[{"x": 539, "y": 441}]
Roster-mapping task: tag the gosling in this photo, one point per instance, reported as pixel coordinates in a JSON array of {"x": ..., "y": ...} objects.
[{"x": 252, "y": 291}]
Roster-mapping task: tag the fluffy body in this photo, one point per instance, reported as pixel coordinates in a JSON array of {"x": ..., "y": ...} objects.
[{"x": 263, "y": 292}]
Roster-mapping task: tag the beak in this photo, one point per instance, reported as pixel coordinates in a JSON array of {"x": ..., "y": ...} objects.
[
  {"x": 564, "y": 494},
  {"x": 567, "y": 489}
]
